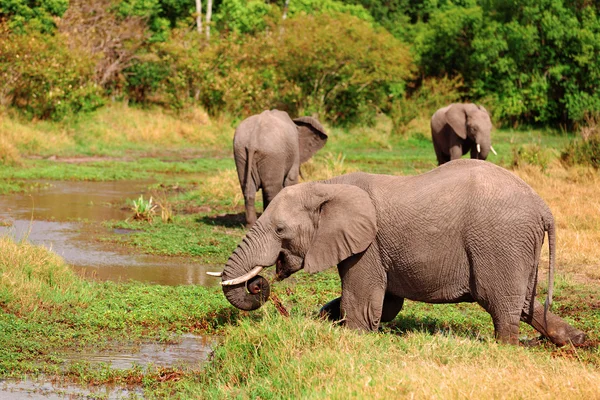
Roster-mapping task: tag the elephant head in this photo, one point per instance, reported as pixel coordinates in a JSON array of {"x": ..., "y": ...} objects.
[
  {"x": 307, "y": 226},
  {"x": 311, "y": 137},
  {"x": 473, "y": 122}
]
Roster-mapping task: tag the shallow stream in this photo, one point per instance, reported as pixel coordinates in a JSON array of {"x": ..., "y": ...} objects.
[{"x": 53, "y": 215}]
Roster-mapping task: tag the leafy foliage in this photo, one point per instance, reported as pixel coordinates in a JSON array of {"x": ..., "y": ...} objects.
[
  {"x": 585, "y": 150},
  {"x": 22, "y": 14},
  {"x": 43, "y": 78},
  {"x": 533, "y": 61}
]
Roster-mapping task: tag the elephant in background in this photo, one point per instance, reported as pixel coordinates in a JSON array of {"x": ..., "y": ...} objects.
[
  {"x": 268, "y": 149},
  {"x": 459, "y": 128},
  {"x": 467, "y": 231}
]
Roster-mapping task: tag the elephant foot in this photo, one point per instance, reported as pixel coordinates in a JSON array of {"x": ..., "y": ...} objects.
[
  {"x": 331, "y": 310},
  {"x": 566, "y": 336}
]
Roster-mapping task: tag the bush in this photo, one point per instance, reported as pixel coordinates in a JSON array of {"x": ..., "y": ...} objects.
[
  {"x": 531, "y": 154},
  {"x": 43, "y": 78},
  {"x": 431, "y": 95},
  {"x": 337, "y": 66},
  {"x": 346, "y": 70},
  {"x": 585, "y": 150}
]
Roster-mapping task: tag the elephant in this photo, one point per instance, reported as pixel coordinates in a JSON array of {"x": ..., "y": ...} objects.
[
  {"x": 459, "y": 128},
  {"x": 268, "y": 149},
  {"x": 466, "y": 231}
]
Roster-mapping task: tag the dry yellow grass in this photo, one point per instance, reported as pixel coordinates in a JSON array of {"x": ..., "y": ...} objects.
[
  {"x": 573, "y": 195},
  {"x": 224, "y": 185},
  {"x": 124, "y": 124},
  {"x": 113, "y": 126},
  {"x": 324, "y": 166},
  {"x": 31, "y": 137},
  {"x": 33, "y": 274},
  {"x": 305, "y": 358}
]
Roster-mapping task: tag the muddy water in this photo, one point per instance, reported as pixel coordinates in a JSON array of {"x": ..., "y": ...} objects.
[
  {"x": 52, "y": 215},
  {"x": 188, "y": 352},
  {"x": 46, "y": 390}
]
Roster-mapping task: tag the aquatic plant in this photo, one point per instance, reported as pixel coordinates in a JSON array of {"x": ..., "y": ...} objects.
[{"x": 143, "y": 210}]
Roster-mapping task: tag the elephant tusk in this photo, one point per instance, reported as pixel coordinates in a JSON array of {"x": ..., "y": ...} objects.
[
  {"x": 243, "y": 278},
  {"x": 493, "y": 151},
  {"x": 217, "y": 274},
  {"x": 478, "y": 148}
]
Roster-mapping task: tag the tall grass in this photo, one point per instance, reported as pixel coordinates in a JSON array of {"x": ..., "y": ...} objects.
[
  {"x": 573, "y": 195},
  {"x": 303, "y": 358},
  {"x": 32, "y": 277},
  {"x": 116, "y": 128}
]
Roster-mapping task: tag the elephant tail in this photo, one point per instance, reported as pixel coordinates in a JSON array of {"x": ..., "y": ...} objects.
[
  {"x": 249, "y": 166},
  {"x": 552, "y": 259}
]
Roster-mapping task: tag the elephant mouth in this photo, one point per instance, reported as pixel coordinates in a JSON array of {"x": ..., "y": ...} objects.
[{"x": 258, "y": 285}]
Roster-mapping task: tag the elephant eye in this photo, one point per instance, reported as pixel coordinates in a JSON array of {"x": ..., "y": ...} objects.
[{"x": 279, "y": 229}]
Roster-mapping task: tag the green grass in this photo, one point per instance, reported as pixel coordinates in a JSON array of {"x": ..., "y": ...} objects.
[{"x": 428, "y": 351}]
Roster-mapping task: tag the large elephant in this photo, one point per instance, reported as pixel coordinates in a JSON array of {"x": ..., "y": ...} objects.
[
  {"x": 467, "y": 231},
  {"x": 459, "y": 128},
  {"x": 268, "y": 150}
]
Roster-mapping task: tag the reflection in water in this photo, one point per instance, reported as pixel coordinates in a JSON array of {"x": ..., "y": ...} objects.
[
  {"x": 189, "y": 352},
  {"x": 46, "y": 390},
  {"x": 55, "y": 212}
]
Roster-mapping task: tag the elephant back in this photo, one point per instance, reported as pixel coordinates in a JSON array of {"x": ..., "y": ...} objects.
[{"x": 311, "y": 137}]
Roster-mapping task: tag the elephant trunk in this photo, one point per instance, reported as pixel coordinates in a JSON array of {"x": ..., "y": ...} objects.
[
  {"x": 255, "y": 250},
  {"x": 483, "y": 147}
]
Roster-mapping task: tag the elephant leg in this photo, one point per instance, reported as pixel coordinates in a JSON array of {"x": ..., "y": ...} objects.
[
  {"x": 552, "y": 326},
  {"x": 391, "y": 307},
  {"x": 272, "y": 178},
  {"x": 506, "y": 313},
  {"x": 268, "y": 194},
  {"x": 441, "y": 156},
  {"x": 363, "y": 290},
  {"x": 331, "y": 310},
  {"x": 456, "y": 152}
]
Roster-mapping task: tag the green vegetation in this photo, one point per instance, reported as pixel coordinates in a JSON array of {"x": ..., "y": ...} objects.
[
  {"x": 533, "y": 62},
  {"x": 46, "y": 310},
  {"x": 130, "y": 90}
]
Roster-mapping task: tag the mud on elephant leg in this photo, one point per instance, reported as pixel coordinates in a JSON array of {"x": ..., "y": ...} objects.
[{"x": 552, "y": 326}]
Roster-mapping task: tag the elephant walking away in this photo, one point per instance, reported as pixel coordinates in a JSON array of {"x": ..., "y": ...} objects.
[
  {"x": 459, "y": 128},
  {"x": 268, "y": 149},
  {"x": 467, "y": 231}
]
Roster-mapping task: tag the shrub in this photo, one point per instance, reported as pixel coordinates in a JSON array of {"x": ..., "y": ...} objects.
[
  {"x": 43, "y": 78},
  {"x": 531, "y": 154},
  {"x": 339, "y": 67},
  {"x": 24, "y": 15},
  {"x": 585, "y": 150},
  {"x": 345, "y": 68},
  {"x": 431, "y": 95},
  {"x": 110, "y": 39},
  {"x": 9, "y": 155}
]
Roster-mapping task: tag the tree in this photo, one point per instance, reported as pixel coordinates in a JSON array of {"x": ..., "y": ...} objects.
[
  {"x": 199, "y": 15},
  {"x": 209, "y": 5}
]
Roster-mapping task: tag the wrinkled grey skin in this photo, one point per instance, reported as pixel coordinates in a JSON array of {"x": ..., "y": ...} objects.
[
  {"x": 457, "y": 129},
  {"x": 467, "y": 231},
  {"x": 268, "y": 149}
]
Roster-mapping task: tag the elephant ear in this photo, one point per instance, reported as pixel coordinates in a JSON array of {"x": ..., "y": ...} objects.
[
  {"x": 311, "y": 137},
  {"x": 347, "y": 225},
  {"x": 482, "y": 108},
  {"x": 456, "y": 117}
]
